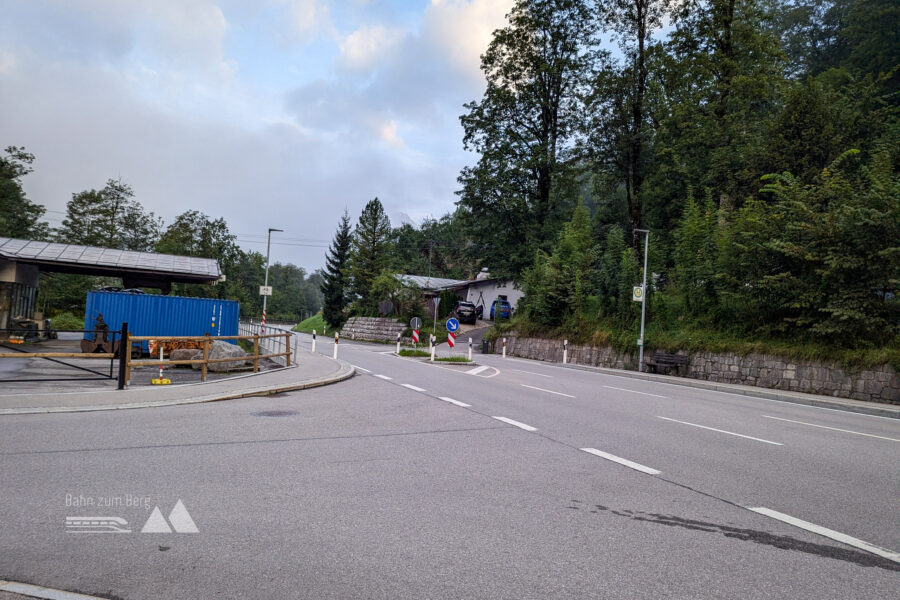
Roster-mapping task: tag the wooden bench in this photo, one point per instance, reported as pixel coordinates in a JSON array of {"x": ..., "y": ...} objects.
[{"x": 663, "y": 362}]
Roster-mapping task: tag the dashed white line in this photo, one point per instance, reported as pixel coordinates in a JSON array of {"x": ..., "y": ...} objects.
[
  {"x": 452, "y": 401},
  {"x": 721, "y": 431},
  {"x": 477, "y": 370},
  {"x": 622, "y": 461},
  {"x": 548, "y": 391},
  {"x": 516, "y": 424},
  {"x": 532, "y": 373},
  {"x": 829, "y": 533},
  {"x": 881, "y": 437},
  {"x": 385, "y": 377},
  {"x": 412, "y": 387},
  {"x": 634, "y": 391},
  {"x": 362, "y": 369}
]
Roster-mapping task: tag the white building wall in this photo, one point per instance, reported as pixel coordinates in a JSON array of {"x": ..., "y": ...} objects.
[{"x": 485, "y": 292}]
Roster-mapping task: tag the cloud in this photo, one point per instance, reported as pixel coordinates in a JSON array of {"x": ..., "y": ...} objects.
[{"x": 366, "y": 47}]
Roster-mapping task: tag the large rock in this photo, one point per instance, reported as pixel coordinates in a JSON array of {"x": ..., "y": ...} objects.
[
  {"x": 185, "y": 354},
  {"x": 220, "y": 349}
]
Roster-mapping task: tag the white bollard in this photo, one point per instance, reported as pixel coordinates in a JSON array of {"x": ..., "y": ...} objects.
[
  {"x": 565, "y": 351},
  {"x": 398, "y": 343},
  {"x": 431, "y": 340},
  {"x": 335, "y": 345},
  {"x": 504, "y": 347},
  {"x": 314, "y": 342},
  {"x": 470, "y": 349}
]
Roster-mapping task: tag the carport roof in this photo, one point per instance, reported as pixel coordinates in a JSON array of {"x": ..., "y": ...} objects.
[
  {"x": 92, "y": 260},
  {"x": 432, "y": 283}
]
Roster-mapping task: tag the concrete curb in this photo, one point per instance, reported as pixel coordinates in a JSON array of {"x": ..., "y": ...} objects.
[
  {"x": 879, "y": 410},
  {"x": 345, "y": 372}
]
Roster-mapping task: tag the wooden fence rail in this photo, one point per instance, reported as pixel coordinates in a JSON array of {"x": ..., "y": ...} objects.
[{"x": 207, "y": 342}]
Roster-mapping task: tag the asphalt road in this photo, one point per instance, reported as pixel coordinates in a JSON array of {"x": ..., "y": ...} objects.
[{"x": 379, "y": 488}]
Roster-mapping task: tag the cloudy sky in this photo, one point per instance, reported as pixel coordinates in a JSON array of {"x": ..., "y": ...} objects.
[{"x": 272, "y": 113}]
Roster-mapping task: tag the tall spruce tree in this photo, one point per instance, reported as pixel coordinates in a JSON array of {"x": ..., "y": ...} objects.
[
  {"x": 334, "y": 282},
  {"x": 19, "y": 217},
  {"x": 370, "y": 254}
]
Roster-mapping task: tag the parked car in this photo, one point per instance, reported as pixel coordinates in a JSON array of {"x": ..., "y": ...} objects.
[
  {"x": 505, "y": 309},
  {"x": 466, "y": 312}
]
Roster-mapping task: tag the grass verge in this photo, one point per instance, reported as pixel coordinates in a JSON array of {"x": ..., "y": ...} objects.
[{"x": 315, "y": 322}]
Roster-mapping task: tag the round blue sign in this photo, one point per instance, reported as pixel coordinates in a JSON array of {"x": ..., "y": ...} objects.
[{"x": 452, "y": 325}]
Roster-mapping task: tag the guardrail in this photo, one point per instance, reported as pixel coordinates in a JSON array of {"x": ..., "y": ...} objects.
[
  {"x": 207, "y": 340},
  {"x": 275, "y": 345}
]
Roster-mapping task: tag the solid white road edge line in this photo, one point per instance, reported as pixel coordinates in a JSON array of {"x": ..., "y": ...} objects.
[
  {"x": 361, "y": 369},
  {"x": 452, "y": 401},
  {"x": 634, "y": 391},
  {"x": 37, "y": 591},
  {"x": 548, "y": 391},
  {"x": 622, "y": 461},
  {"x": 385, "y": 377},
  {"x": 829, "y": 533},
  {"x": 880, "y": 437},
  {"x": 477, "y": 370},
  {"x": 516, "y": 424},
  {"x": 721, "y": 431},
  {"x": 412, "y": 387}
]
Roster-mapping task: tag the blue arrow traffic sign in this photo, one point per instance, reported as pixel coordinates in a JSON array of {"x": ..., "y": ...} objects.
[{"x": 452, "y": 325}]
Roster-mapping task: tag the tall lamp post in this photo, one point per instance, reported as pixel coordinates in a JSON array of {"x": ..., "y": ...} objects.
[
  {"x": 266, "y": 284},
  {"x": 646, "y": 233}
]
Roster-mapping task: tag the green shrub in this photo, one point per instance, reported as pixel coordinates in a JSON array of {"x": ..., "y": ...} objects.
[{"x": 67, "y": 320}]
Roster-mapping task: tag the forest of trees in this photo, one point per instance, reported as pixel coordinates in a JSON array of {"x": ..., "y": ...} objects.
[
  {"x": 111, "y": 218},
  {"x": 757, "y": 140}
]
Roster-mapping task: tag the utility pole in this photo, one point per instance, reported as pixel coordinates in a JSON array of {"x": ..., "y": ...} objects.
[
  {"x": 646, "y": 233},
  {"x": 266, "y": 284}
]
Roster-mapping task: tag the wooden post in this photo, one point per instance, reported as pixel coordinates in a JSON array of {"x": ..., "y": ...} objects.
[
  {"x": 287, "y": 345},
  {"x": 203, "y": 367},
  {"x": 256, "y": 353}
]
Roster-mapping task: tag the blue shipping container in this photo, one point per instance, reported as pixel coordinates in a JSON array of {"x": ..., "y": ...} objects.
[{"x": 149, "y": 314}]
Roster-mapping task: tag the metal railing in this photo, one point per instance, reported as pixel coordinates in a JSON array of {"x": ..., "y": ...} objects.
[{"x": 276, "y": 340}]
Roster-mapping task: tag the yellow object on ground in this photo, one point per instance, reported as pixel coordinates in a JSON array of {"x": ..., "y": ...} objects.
[{"x": 160, "y": 381}]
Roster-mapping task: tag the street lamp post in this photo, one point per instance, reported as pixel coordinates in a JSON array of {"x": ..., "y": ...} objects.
[
  {"x": 646, "y": 233},
  {"x": 266, "y": 284}
]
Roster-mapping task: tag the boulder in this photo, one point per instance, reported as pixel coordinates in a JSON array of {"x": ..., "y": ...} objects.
[
  {"x": 220, "y": 349},
  {"x": 185, "y": 354}
]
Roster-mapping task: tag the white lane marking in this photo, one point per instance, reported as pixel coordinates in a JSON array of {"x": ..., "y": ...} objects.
[
  {"x": 452, "y": 401},
  {"x": 622, "y": 461},
  {"x": 548, "y": 391},
  {"x": 477, "y": 370},
  {"x": 881, "y": 437},
  {"x": 391, "y": 352},
  {"x": 634, "y": 391},
  {"x": 516, "y": 423},
  {"x": 721, "y": 431},
  {"x": 361, "y": 369},
  {"x": 829, "y": 533},
  {"x": 412, "y": 387},
  {"x": 385, "y": 377},
  {"x": 37, "y": 591},
  {"x": 532, "y": 373}
]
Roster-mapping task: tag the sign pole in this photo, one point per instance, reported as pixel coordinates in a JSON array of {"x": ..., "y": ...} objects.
[
  {"x": 268, "y": 248},
  {"x": 646, "y": 233}
]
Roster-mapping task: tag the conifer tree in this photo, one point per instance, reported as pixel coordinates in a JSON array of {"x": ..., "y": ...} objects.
[{"x": 334, "y": 281}]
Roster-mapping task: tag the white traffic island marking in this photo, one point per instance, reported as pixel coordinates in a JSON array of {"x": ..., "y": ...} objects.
[
  {"x": 412, "y": 387},
  {"x": 829, "y": 533},
  {"x": 634, "y": 391},
  {"x": 452, "y": 401},
  {"x": 385, "y": 377},
  {"x": 548, "y": 391},
  {"x": 622, "y": 461},
  {"x": 477, "y": 370},
  {"x": 721, "y": 431},
  {"x": 880, "y": 437},
  {"x": 516, "y": 424},
  {"x": 361, "y": 369}
]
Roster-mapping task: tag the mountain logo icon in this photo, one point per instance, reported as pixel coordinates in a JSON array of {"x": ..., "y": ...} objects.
[{"x": 180, "y": 519}]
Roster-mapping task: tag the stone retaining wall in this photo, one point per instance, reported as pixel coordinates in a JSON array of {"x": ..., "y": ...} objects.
[
  {"x": 880, "y": 384},
  {"x": 372, "y": 329}
]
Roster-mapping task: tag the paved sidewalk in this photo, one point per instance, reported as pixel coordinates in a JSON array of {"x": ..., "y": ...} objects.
[
  {"x": 858, "y": 406},
  {"x": 310, "y": 370}
]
